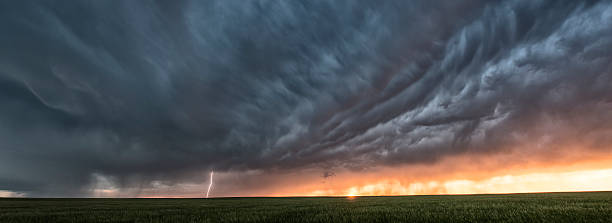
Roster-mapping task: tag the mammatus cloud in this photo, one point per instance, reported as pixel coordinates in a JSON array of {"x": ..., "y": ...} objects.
[{"x": 138, "y": 93}]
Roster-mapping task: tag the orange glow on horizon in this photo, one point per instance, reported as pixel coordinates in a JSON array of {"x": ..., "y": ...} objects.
[
  {"x": 465, "y": 176},
  {"x": 589, "y": 180}
]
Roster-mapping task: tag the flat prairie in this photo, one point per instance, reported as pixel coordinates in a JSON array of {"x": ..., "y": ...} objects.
[{"x": 536, "y": 207}]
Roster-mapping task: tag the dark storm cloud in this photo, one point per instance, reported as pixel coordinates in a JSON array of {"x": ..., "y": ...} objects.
[{"x": 144, "y": 90}]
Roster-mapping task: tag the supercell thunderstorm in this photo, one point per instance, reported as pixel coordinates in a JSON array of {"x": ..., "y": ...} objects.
[{"x": 145, "y": 92}]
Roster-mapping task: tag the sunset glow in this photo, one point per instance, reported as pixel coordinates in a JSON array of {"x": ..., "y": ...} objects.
[
  {"x": 586, "y": 175},
  {"x": 590, "y": 180}
]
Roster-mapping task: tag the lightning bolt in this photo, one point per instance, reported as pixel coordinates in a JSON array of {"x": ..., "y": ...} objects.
[{"x": 210, "y": 185}]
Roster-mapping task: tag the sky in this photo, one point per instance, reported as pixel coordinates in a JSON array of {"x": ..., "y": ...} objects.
[{"x": 304, "y": 98}]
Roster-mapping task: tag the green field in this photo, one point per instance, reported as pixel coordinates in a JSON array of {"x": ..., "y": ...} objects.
[{"x": 544, "y": 207}]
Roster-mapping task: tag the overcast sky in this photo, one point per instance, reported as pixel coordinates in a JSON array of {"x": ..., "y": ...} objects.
[{"x": 143, "y": 93}]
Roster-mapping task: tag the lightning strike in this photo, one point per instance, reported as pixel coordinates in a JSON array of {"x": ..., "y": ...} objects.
[{"x": 211, "y": 183}]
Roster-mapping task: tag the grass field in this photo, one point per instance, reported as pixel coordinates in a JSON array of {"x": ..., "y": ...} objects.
[{"x": 543, "y": 207}]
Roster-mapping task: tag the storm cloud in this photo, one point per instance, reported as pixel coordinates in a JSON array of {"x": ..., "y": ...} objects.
[{"x": 142, "y": 91}]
